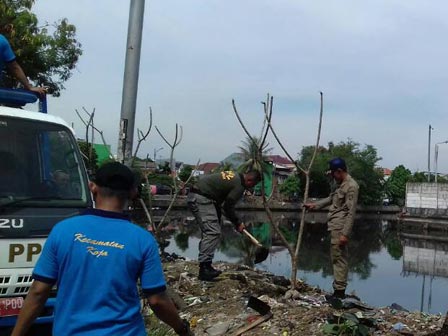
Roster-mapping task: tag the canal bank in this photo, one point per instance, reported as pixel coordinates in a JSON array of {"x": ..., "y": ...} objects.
[
  {"x": 385, "y": 264},
  {"x": 388, "y": 265},
  {"x": 412, "y": 217},
  {"x": 221, "y": 307},
  {"x": 251, "y": 204}
]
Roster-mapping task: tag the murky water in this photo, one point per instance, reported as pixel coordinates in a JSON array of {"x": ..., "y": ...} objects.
[{"x": 387, "y": 265}]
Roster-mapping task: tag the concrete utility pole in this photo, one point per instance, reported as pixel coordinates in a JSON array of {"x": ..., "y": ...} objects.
[
  {"x": 429, "y": 152},
  {"x": 130, "y": 81}
]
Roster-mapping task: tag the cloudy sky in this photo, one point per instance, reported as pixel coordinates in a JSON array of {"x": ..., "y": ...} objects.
[{"x": 382, "y": 65}]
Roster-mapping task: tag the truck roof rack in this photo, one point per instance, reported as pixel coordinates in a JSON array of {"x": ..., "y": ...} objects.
[{"x": 19, "y": 98}]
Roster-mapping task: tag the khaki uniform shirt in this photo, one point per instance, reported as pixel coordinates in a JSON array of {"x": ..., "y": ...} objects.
[
  {"x": 343, "y": 202},
  {"x": 225, "y": 188}
]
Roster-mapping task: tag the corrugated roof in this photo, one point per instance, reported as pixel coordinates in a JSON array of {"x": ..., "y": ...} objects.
[{"x": 280, "y": 160}]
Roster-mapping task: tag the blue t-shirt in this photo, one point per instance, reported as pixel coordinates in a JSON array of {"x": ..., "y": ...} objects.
[
  {"x": 96, "y": 260},
  {"x": 6, "y": 53}
]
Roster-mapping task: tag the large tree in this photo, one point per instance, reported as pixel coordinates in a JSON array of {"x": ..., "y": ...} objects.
[
  {"x": 48, "y": 53},
  {"x": 290, "y": 187},
  {"x": 185, "y": 172},
  {"x": 395, "y": 186},
  {"x": 362, "y": 166}
]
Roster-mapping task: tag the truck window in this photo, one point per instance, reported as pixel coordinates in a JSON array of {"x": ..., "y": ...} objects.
[{"x": 39, "y": 164}]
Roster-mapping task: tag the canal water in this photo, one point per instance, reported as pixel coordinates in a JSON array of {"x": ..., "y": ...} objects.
[{"x": 388, "y": 264}]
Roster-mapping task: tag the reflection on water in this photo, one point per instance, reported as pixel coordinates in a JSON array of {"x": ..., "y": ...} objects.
[{"x": 386, "y": 265}]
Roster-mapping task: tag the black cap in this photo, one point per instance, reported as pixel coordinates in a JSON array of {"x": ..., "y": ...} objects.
[
  {"x": 337, "y": 163},
  {"x": 115, "y": 176}
]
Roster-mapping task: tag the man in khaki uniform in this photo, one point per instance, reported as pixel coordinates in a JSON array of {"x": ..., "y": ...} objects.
[
  {"x": 207, "y": 197},
  {"x": 341, "y": 215}
]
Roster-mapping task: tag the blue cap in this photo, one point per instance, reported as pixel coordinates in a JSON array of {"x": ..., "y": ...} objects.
[{"x": 337, "y": 163}]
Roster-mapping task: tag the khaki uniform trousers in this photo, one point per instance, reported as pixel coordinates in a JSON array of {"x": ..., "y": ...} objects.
[
  {"x": 208, "y": 219},
  {"x": 339, "y": 259}
]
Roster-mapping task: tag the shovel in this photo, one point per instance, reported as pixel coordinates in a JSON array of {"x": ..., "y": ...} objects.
[
  {"x": 261, "y": 252},
  {"x": 260, "y": 307}
]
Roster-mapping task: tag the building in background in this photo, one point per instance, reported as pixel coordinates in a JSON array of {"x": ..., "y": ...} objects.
[{"x": 206, "y": 168}]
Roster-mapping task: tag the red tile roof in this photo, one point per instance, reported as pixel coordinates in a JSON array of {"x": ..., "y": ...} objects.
[
  {"x": 208, "y": 167},
  {"x": 387, "y": 171}
]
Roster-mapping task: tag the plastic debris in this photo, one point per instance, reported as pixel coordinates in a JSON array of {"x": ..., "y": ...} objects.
[
  {"x": 399, "y": 326},
  {"x": 303, "y": 311}
]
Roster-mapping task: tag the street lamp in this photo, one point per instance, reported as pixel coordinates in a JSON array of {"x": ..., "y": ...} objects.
[
  {"x": 429, "y": 152},
  {"x": 155, "y": 152}
]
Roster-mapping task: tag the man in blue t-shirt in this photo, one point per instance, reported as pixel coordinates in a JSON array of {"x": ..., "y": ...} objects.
[
  {"x": 8, "y": 60},
  {"x": 95, "y": 260}
]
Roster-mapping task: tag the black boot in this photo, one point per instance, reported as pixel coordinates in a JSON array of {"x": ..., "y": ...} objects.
[
  {"x": 207, "y": 272},
  {"x": 335, "y": 299},
  {"x": 339, "y": 293}
]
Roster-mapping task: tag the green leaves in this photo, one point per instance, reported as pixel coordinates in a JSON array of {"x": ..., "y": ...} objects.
[
  {"x": 395, "y": 187},
  {"x": 362, "y": 166},
  {"x": 291, "y": 186},
  {"x": 46, "y": 58},
  {"x": 185, "y": 172},
  {"x": 350, "y": 325}
]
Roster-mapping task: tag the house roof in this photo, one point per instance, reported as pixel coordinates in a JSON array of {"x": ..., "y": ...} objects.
[
  {"x": 279, "y": 160},
  {"x": 387, "y": 171},
  {"x": 208, "y": 167}
]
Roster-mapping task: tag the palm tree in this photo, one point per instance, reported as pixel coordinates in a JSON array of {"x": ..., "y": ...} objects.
[
  {"x": 224, "y": 166},
  {"x": 254, "y": 156}
]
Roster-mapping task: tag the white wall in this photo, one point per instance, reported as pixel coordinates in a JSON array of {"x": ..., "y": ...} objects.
[{"x": 427, "y": 196}]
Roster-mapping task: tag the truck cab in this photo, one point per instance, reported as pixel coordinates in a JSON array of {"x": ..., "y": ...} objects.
[{"x": 42, "y": 181}]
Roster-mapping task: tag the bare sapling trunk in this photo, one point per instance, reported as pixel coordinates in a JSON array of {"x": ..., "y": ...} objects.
[
  {"x": 292, "y": 250},
  {"x": 268, "y": 113},
  {"x": 295, "y": 257},
  {"x": 89, "y": 124},
  {"x": 173, "y": 201},
  {"x": 176, "y": 189},
  {"x": 148, "y": 214},
  {"x": 141, "y": 137}
]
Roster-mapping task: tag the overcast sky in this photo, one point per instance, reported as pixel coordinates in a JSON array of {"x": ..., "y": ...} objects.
[{"x": 382, "y": 65}]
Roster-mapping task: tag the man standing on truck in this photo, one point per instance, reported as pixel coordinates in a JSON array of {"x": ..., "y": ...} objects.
[
  {"x": 205, "y": 200},
  {"x": 341, "y": 216},
  {"x": 8, "y": 60},
  {"x": 95, "y": 259}
]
